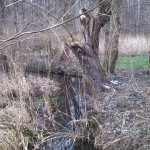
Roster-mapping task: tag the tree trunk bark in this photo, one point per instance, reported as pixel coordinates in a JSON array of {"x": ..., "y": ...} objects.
[
  {"x": 1, "y": 19},
  {"x": 87, "y": 53},
  {"x": 111, "y": 53},
  {"x": 106, "y": 54},
  {"x": 17, "y": 53}
]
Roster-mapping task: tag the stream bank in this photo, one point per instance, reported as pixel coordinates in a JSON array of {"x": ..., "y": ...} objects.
[{"x": 68, "y": 121}]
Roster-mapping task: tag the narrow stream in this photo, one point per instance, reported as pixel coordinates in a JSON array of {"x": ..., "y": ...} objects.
[{"x": 76, "y": 103}]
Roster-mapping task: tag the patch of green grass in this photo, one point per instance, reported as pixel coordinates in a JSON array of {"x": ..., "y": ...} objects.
[{"x": 132, "y": 62}]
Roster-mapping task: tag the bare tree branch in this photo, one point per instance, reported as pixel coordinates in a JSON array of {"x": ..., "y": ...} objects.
[
  {"x": 14, "y": 3},
  {"x": 52, "y": 27}
]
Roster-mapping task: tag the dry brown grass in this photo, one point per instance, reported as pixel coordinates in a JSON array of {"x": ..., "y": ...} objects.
[
  {"x": 14, "y": 115},
  {"x": 13, "y": 120},
  {"x": 123, "y": 122},
  {"x": 131, "y": 45},
  {"x": 16, "y": 97}
]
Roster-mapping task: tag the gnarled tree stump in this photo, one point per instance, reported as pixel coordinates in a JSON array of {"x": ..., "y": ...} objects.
[{"x": 87, "y": 53}]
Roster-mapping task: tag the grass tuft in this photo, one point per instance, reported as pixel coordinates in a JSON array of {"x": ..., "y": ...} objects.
[{"x": 132, "y": 62}]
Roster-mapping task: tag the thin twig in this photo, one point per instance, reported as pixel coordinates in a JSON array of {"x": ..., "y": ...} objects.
[
  {"x": 41, "y": 8},
  {"x": 13, "y": 3},
  {"x": 15, "y": 36}
]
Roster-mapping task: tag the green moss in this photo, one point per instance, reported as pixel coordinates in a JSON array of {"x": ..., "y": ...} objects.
[
  {"x": 26, "y": 131},
  {"x": 57, "y": 99},
  {"x": 36, "y": 69}
]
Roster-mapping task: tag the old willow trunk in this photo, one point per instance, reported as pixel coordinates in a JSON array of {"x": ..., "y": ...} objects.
[
  {"x": 87, "y": 53},
  {"x": 111, "y": 51},
  {"x": 106, "y": 54}
]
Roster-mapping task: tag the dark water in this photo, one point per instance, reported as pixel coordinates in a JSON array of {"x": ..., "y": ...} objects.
[{"x": 67, "y": 126}]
